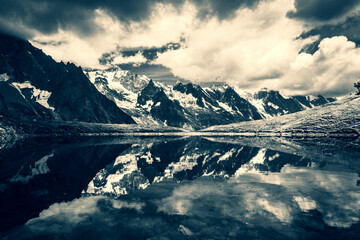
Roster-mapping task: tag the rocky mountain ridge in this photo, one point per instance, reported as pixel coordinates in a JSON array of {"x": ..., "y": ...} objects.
[
  {"x": 191, "y": 106},
  {"x": 33, "y": 86}
]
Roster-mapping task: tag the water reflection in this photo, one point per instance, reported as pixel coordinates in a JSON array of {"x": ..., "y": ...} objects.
[
  {"x": 178, "y": 188},
  {"x": 143, "y": 164}
]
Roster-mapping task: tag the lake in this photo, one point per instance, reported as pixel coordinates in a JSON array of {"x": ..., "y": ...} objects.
[{"x": 180, "y": 188}]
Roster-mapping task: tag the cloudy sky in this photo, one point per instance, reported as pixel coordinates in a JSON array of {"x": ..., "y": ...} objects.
[{"x": 296, "y": 46}]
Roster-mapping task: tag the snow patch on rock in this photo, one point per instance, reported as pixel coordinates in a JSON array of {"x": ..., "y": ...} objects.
[{"x": 40, "y": 96}]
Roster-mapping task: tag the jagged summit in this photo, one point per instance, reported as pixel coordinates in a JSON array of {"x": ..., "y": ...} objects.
[{"x": 118, "y": 78}]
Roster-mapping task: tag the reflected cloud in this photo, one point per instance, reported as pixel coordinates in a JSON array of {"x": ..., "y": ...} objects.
[{"x": 276, "y": 196}]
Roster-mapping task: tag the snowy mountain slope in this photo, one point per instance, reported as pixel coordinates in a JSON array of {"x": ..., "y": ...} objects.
[
  {"x": 340, "y": 117},
  {"x": 154, "y": 103},
  {"x": 34, "y": 86},
  {"x": 231, "y": 101},
  {"x": 271, "y": 103},
  {"x": 189, "y": 105},
  {"x": 123, "y": 87},
  {"x": 313, "y": 101}
]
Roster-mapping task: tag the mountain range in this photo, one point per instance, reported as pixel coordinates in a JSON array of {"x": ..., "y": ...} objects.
[
  {"x": 191, "y": 106},
  {"x": 34, "y": 87},
  {"x": 336, "y": 119}
]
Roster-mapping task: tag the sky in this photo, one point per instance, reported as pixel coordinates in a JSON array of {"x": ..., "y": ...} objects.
[{"x": 295, "y": 46}]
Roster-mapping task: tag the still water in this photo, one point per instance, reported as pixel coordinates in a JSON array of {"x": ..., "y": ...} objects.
[{"x": 180, "y": 188}]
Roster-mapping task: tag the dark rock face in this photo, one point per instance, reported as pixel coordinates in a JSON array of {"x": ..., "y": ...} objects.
[
  {"x": 276, "y": 104},
  {"x": 244, "y": 109},
  {"x": 162, "y": 108},
  {"x": 72, "y": 96},
  {"x": 314, "y": 101},
  {"x": 197, "y": 92},
  {"x": 201, "y": 110}
]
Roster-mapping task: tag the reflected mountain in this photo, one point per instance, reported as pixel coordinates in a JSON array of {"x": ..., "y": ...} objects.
[
  {"x": 180, "y": 188},
  {"x": 185, "y": 159}
]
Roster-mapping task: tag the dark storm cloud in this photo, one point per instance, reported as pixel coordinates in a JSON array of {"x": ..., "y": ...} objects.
[
  {"x": 272, "y": 75},
  {"x": 156, "y": 72},
  {"x": 348, "y": 28},
  {"x": 52, "y": 43},
  {"x": 149, "y": 53},
  {"x": 47, "y": 16},
  {"x": 222, "y": 8},
  {"x": 321, "y": 10}
]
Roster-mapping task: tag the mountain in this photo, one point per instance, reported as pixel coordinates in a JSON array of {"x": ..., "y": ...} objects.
[
  {"x": 271, "y": 103},
  {"x": 189, "y": 105},
  {"x": 34, "y": 86},
  {"x": 313, "y": 101},
  {"x": 336, "y": 119},
  {"x": 123, "y": 87}
]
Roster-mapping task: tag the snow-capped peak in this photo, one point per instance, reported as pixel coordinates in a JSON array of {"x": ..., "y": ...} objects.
[{"x": 118, "y": 79}]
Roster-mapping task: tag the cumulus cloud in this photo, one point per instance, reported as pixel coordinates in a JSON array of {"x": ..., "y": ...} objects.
[
  {"x": 260, "y": 48},
  {"x": 166, "y": 25},
  {"x": 349, "y": 27},
  {"x": 256, "y": 45},
  {"x": 331, "y": 70},
  {"x": 137, "y": 59},
  {"x": 84, "y": 52},
  {"x": 277, "y": 197}
]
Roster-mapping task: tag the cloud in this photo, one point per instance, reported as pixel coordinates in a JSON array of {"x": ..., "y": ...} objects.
[
  {"x": 137, "y": 59},
  {"x": 331, "y": 70},
  {"x": 277, "y": 197},
  {"x": 51, "y": 42},
  {"x": 149, "y": 53},
  {"x": 84, "y": 52},
  {"x": 250, "y": 44},
  {"x": 256, "y": 44},
  {"x": 260, "y": 48},
  {"x": 223, "y": 9},
  {"x": 348, "y": 27},
  {"x": 321, "y": 10},
  {"x": 49, "y": 16},
  {"x": 166, "y": 25}
]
